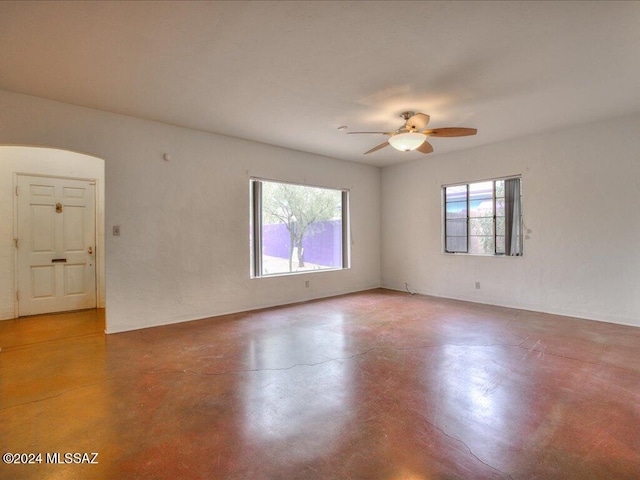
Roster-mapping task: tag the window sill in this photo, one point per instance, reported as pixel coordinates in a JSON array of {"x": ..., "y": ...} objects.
[
  {"x": 488, "y": 255},
  {"x": 303, "y": 272}
]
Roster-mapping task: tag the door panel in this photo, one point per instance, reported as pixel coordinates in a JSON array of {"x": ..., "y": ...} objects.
[
  {"x": 43, "y": 281},
  {"x": 42, "y": 228},
  {"x": 73, "y": 279},
  {"x": 56, "y": 245},
  {"x": 72, "y": 230}
]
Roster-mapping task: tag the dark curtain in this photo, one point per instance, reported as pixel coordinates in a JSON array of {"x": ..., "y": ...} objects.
[{"x": 512, "y": 213}]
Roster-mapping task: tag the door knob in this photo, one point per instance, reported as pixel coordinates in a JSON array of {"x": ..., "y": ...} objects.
[{"x": 90, "y": 251}]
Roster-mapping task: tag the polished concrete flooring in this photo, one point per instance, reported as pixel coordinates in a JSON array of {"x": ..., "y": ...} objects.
[{"x": 375, "y": 385}]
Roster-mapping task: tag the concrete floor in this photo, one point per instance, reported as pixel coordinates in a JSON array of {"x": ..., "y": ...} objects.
[{"x": 375, "y": 385}]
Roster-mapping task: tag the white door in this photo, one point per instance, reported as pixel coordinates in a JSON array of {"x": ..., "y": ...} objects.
[{"x": 56, "y": 245}]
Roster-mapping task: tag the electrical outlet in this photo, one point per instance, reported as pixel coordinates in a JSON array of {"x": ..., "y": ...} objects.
[
  {"x": 477, "y": 285},
  {"x": 116, "y": 230}
]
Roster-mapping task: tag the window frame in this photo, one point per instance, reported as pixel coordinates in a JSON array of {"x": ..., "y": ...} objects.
[
  {"x": 256, "y": 223},
  {"x": 468, "y": 217}
]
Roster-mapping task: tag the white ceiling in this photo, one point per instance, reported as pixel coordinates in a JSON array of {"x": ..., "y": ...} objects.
[{"x": 290, "y": 73}]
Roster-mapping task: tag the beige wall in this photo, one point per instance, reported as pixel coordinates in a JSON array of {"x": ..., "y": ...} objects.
[{"x": 183, "y": 252}]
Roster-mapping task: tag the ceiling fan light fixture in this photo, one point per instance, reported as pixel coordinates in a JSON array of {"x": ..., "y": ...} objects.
[{"x": 407, "y": 141}]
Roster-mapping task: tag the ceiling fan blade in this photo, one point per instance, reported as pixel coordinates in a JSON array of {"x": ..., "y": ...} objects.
[
  {"x": 375, "y": 149},
  {"x": 450, "y": 132},
  {"x": 426, "y": 147},
  {"x": 379, "y": 133},
  {"x": 417, "y": 121}
]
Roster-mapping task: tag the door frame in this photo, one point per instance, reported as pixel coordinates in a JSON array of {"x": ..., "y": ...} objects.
[{"x": 99, "y": 238}]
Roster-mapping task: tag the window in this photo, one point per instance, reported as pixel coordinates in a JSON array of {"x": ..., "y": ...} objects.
[
  {"x": 484, "y": 218},
  {"x": 298, "y": 228}
]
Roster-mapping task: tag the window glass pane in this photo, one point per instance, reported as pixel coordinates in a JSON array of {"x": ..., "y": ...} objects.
[
  {"x": 481, "y": 226},
  {"x": 500, "y": 207},
  {"x": 301, "y": 228},
  {"x": 456, "y": 194},
  {"x": 499, "y": 188},
  {"x": 500, "y": 225},
  {"x": 481, "y": 191},
  {"x": 481, "y": 208},
  {"x": 481, "y": 244},
  {"x": 457, "y": 228},
  {"x": 456, "y": 244},
  {"x": 500, "y": 244},
  {"x": 457, "y": 210}
]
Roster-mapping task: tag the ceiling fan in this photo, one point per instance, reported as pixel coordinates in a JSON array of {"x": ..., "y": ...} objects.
[{"x": 410, "y": 137}]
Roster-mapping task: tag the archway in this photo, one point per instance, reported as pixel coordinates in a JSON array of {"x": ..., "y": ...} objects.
[{"x": 17, "y": 162}]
